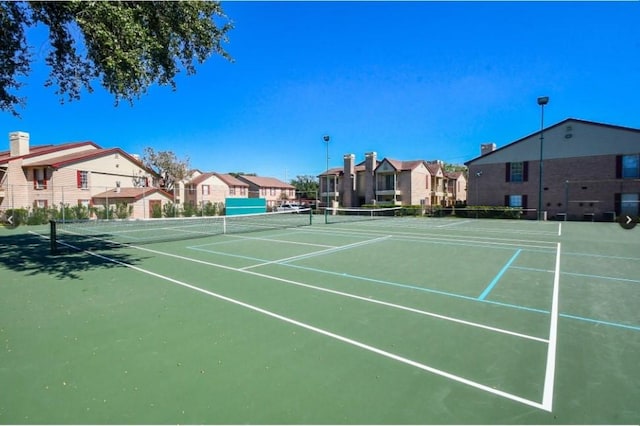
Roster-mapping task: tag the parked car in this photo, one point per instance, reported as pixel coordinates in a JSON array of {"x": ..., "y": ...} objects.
[{"x": 289, "y": 207}]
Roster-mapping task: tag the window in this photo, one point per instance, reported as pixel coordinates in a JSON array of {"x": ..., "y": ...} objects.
[
  {"x": 627, "y": 204},
  {"x": 205, "y": 189},
  {"x": 82, "y": 177},
  {"x": 40, "y": 204},
  {"x": 232, "y": 190},
  {"x": 631, "y": 166},
  {"x": 515, "y": 201},
  {"x": 272, "y": 191},
  {"x": 40, "y": 178},
  {"x": 243, "y": 190},
  {"x": 517, "y": 171},
  {"x": 387, "y": 182}
]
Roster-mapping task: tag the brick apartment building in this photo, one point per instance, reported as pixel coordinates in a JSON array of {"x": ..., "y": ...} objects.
[{"x": 590, "y": 171}]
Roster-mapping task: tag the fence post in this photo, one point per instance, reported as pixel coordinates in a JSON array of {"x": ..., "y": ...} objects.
[{"x": 52, "y": 237}]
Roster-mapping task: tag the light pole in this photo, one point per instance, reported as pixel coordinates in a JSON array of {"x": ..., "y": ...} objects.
[
  {"x": 542, "y": 101},
  {"x": 326, "y": 139},
  {"x": 478, "y": 174}
]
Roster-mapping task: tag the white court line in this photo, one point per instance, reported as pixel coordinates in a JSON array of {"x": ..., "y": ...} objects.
[
  {"x": 321, "y": 331},
  {"x": 560, "y": 229},
  {"x": 273, "y": 240},
  {"x": 317, "y": 253},
  {"x": 453, "y": 224},
  {"x": 549, "y": 377}
]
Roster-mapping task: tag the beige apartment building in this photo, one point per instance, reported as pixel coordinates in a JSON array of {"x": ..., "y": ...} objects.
[
  {"x": 590, "y": 171},
  {"x": 77, "y": 173},
  {"x": 213, "y": 188},
  {"x": 389, "y": 181},
  {"x": 273, "y": 190}
]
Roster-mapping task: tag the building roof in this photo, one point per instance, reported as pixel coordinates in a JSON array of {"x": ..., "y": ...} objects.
[
  {"x": 230, "y": 180},
  {"x": 434, "y": 167},
  {"x": 37, "y": 150},
  {"x": 265, "y": 182},
  {"x": 225, "y": 178},
  {"x": 200, "y": 178},
  {"x": 403, "y": 165},
  {"x": 546, "y": 129},
  {"x": 453, "y": 175},
  {"x": 334, "y": 171},
  {"x": 93, "y": 151},
  {"x": 131, "y": 193},
  {"x": 78, "y": 157}
]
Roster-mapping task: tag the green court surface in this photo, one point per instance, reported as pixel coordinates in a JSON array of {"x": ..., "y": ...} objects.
[{"x": 390, "y": 321}]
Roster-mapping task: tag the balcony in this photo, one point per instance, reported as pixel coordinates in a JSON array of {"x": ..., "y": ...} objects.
[
  {"x": 331, "y": 194},
  {"x": 388, "y": 192}
]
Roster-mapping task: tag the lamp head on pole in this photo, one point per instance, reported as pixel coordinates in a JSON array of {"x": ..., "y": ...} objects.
[
  {"x": 326, "y": 138},
  {"x": 543, "y": 100}
]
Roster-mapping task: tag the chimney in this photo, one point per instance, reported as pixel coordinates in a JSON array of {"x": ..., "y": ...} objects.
[
  {"x": 18, "y": 143},
  {"x": 348, "y": 180},
  {"x": 370, "y": 164},
  {"x": 486, "y": 148}
]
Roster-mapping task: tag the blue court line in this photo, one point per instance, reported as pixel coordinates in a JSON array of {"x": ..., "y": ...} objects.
[{"x": 493, "y": 283}]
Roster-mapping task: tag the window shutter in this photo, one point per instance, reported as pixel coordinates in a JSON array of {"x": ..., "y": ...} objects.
[
  {"x": 618, "y": 168},
  {"x": 617, "y": 203},
  {"x": 524, "y": 201},
  {"x": 35, "y": 179},
  {"x": 525, "y": 171},
  {"x": 44, "y": 179},
  {"x": 507, "y": 177},
  {"x": 79, "y": 178}
]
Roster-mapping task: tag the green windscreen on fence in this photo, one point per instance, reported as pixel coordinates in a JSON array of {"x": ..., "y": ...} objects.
[{"x": 235, "y": 206}]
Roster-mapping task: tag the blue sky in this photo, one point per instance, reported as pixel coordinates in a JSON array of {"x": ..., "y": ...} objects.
[{"x": 409, "y": 80}]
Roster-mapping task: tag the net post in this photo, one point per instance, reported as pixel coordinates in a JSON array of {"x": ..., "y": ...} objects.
[{"x": 53, "y": 237}]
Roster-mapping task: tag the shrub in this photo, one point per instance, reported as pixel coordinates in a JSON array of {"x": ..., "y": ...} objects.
[
  {"x": 156, "y": 211},
  {"x": 123, "y": 210},
  {"x": 170, "y": 210}
]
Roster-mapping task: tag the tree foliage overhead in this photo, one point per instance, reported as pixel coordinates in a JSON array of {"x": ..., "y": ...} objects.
[
  {"x": 126, "y": 45},
  {"x": 168, "y": 165}
]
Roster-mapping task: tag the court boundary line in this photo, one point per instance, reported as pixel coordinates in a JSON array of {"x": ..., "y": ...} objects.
[
  {"x": 549, "y": 377},
  {"x": 378, "y": 351}
]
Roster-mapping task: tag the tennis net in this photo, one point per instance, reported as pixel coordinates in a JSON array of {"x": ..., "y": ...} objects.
[
  {"x": 141, "y": 231},
  {"x": 343, "y": 214}
]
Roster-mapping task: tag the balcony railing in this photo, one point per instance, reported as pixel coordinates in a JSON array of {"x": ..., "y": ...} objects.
[{"x": 388, "y": 192}]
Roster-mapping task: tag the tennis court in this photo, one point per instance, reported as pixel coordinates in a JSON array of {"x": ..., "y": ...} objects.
[{"x": 401, "y": 320}]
